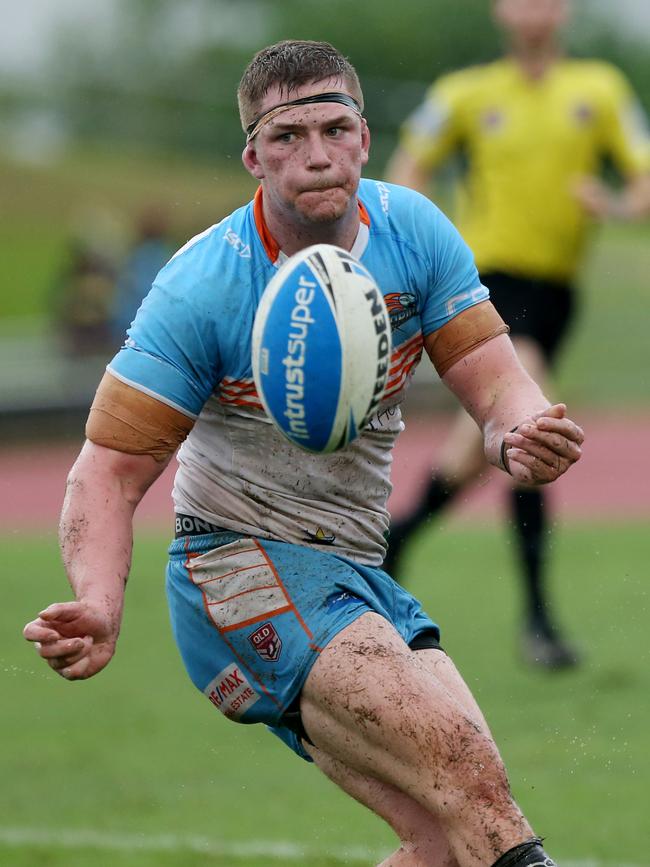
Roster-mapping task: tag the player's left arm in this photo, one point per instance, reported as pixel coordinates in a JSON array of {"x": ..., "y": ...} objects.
[
  {"x": 623, "y": 135},
  {"x": 481, "y": 368}
]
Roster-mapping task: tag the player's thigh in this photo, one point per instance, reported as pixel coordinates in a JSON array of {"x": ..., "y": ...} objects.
[
  {"x": 442, "y": 667},
  {"x": 376, "y": 705}
]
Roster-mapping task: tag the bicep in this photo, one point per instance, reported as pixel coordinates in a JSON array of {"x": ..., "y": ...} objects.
[{"x": 99, "y": 472}]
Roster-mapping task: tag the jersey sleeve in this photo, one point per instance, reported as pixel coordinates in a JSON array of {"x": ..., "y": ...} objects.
[
  {"x": 433, "y": 131},
  {"x": 624, "y": 130},
  {"x": 172, "y": 348},
  {"x": 453, "y": 282}
]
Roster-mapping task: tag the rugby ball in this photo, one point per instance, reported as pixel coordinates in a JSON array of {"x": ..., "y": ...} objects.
[{"x": 321, "y": 348}]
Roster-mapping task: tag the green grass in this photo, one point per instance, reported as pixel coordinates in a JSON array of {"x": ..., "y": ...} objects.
[{"x": 137, "y": 751}]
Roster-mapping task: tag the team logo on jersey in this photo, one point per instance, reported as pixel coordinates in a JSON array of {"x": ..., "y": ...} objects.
[
  {"x": 582, "y": 113},
  {"x": 492, "y": 119},
  {"x": 320, "y": 537},
  {"x": 401, "y": 308},
  {"x": 266, "y": 642}
]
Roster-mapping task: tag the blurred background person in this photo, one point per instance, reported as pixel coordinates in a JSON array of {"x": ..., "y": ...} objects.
[
  {"x": 152, "y": 248},
  {"x": 534, "y": 129},
  {"x": 82, "y": 297}
]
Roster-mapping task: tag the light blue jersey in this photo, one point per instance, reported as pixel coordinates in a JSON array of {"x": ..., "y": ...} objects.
[{"x": 190, "y": 347}]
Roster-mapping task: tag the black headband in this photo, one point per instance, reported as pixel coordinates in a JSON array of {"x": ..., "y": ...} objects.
[{"x": 332, "y": 96}]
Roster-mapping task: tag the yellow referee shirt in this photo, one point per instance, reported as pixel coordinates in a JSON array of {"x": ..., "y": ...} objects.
[{"x": 526, "y": 143}]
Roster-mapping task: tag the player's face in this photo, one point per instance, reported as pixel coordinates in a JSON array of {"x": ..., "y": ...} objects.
[
  {"x": 531, "y": 21},
  {"x": 309, "y": 158}
]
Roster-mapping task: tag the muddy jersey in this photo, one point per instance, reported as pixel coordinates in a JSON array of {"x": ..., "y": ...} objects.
[{"x": 190, "y": 347}]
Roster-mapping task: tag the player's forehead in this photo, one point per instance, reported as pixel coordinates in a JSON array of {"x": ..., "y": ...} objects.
[
  {"x": 279, "y": 94},
  {"x": 517, "y": 9}
]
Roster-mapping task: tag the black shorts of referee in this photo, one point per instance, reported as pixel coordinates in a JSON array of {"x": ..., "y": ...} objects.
[{"x": 542, "y": 310}]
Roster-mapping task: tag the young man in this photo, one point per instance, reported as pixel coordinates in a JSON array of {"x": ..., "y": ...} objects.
[
  {"x": 533, "y": 129},
  {"x": 275, "y": 625}
]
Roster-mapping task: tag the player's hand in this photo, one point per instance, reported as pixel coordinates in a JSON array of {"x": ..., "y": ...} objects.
[
  {"x": 544, "y": 447},
  {"x": 595, "y": 197},
  {"x": 76, "y": 639}
]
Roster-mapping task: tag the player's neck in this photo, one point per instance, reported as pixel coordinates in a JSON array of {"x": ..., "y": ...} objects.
[
  {"x": 535, "y": 60},
  {"x": 292, "y": 236}
]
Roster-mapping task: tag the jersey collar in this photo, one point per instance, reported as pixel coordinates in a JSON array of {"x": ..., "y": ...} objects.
[{"x": 272, "y": 248}]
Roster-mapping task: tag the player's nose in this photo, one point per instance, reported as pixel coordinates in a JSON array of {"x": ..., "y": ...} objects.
[{"x": 317, "y": 153}]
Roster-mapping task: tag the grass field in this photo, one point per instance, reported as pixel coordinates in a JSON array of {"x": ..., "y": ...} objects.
[{"x": 135, "y": 769}]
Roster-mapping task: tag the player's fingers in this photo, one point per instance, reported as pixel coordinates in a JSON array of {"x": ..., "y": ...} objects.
[
  {"x": 558, "y": 410},
  {"x": 79, "y": 670},
  {"x": 62, "y": 611},
  {"x": 69, "y": 649},
  {"x": 564, "y": 427},
  {"x": 540, "y": 471},
  {"x": 36, "y": 630},
  {"x": 544, "y": 444}
]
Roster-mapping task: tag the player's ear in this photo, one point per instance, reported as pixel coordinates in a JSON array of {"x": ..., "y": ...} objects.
[
  {"x": 365, "y": 141},
  {"x": 251, "y": 162}
]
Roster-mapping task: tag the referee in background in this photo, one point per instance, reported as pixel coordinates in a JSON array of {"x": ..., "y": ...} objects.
[{"x": 534, "y": 130}]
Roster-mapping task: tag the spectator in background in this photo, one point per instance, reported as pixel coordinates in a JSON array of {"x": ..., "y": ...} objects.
[
  {"x": 82, "y": 299},
  {"x": 152, "y": 248},
  {"x": 534, "y": 129}
]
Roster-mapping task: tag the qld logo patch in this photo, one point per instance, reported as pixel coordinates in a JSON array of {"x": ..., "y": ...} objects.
[{"x": 267, "y": 642}]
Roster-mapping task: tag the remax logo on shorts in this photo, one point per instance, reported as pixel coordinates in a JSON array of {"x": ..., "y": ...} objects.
[
  {"x": 267, "y": 642},
  {"x": 231, "y": 693}
]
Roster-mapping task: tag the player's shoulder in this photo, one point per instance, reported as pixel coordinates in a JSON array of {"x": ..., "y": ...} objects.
[
  {"x": 216, "y": 259},
  {"x": 595, "y": 75},
  {"x": 392, "y": 205},
  {"x": 470, "y": 80},
  {"x": 404, "y": 218}
]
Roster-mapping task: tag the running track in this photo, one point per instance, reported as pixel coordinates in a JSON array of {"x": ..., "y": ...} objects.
[{"x": 612, "y": 481}]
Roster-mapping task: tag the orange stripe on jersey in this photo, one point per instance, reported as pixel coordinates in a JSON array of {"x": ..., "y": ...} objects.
[
  {"x": 394, "y": 388},
  {"x": 396, "y": 370},
  {"x": 270, "y": 245},
  {"x": 256, "y": 619}
]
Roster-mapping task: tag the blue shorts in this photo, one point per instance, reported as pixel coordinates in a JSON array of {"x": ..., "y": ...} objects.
[{"x": 250, "y": 617}]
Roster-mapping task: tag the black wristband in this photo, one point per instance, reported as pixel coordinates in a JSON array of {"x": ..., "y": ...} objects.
[{"x": 502, "y": 453}]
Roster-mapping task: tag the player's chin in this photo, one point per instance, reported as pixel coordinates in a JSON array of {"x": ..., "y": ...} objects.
[{"x": 323, "y": 206}]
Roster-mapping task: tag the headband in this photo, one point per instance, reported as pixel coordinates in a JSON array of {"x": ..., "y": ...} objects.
[{"x": 331, "y": 96}]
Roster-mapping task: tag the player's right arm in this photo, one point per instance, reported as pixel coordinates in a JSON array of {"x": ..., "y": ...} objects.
[
  {"x": 427, "y": 137},
  {"x": 131, "y": 439},
  {"x": 77, "y": 639}
]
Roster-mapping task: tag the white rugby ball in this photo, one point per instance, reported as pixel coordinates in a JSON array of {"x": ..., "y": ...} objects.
[{"x": 321, "y": 348}]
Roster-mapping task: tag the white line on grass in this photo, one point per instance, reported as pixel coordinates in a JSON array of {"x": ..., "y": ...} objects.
[{"x": 278, "y": 850}]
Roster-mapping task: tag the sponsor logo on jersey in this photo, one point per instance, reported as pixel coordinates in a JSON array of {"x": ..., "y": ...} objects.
[
  {"x": 266, "y": 642},
  {"x": 401, "y": 308},
  {"x": 231, "y": 693},
  {"x": 240, "y": 247},
  {"x": 320, "y": 537},
  {"x": 339, "y": 600}
]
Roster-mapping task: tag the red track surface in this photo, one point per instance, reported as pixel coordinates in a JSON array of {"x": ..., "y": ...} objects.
[{"x": 612, "y": 481}]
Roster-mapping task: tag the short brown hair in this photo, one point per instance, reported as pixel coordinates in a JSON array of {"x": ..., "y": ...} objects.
[{"x": 290, "y": 64}]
